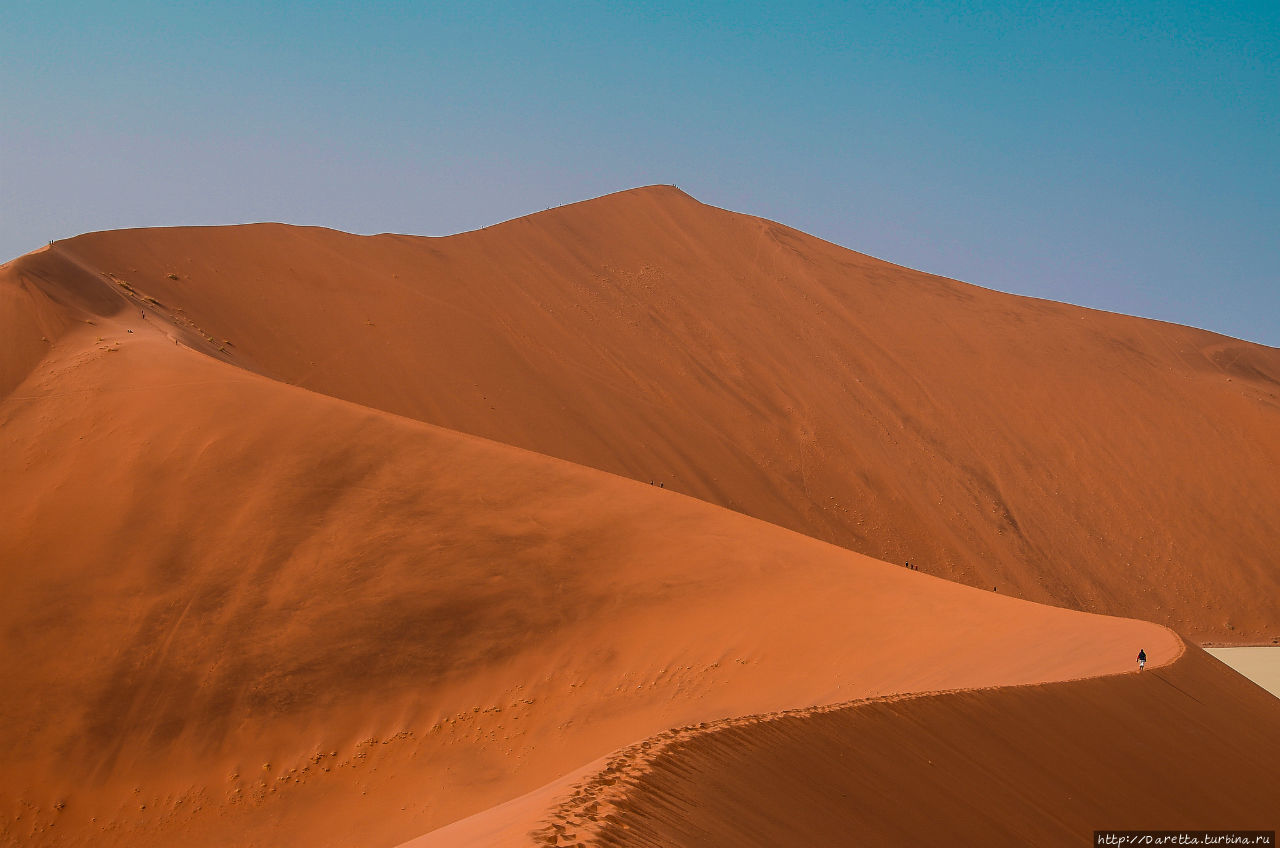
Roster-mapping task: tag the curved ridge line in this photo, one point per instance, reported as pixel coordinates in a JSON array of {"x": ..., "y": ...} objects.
[{"x": 578, "y": 818}]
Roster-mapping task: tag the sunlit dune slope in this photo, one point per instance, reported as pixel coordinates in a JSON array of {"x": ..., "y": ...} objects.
[
  {"x": 238, "y": 612},
  {"x": 1069, "y": 456}
]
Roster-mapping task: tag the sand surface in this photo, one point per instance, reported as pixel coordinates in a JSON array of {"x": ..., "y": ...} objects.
[
  {"x": 324, "y": 540},
  {"x": 1187, "y": 746},
  {"x": 1259, "y": 664},
  {"x": 1064, "y": 455},
  {"x": 253, "y": 610}
]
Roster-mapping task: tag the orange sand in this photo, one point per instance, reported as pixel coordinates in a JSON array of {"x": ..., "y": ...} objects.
[
  {"x": 1187, "y": 746},
  {"x": 241, "y": 612},
  {"x": 1067, "y": 456}
]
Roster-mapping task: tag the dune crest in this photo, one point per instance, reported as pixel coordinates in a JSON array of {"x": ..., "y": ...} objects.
[{"x": 1182, "y": 745}]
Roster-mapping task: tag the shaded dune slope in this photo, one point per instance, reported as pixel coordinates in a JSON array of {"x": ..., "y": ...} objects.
[
  {"x": 1068, "y": 456},
  {"x": 31, "y": 318},
  {"x": 243, "y": 613}
]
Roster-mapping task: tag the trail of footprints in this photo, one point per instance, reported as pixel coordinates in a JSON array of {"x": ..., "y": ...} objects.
[{"x": 595, "y": 803}]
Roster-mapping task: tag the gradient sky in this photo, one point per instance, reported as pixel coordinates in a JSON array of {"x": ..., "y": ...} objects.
[{"x": 1124, "y": 156}]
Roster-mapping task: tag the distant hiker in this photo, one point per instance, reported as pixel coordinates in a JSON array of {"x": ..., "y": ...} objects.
[{"x": 1142, "y": 659}]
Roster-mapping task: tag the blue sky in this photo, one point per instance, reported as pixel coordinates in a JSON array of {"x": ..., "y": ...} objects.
[{"x": 1120, "y": 156}]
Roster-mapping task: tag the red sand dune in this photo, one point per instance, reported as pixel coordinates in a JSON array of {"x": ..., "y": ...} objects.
[
  {"x": 223, "y": 572},
  {"x": 1067, "y": 456},
  {"x": 241, "y": 612}
]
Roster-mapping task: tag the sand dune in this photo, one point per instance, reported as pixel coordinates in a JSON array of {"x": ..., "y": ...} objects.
[
  {"x": 1068, "y": 456},
  {"x": 256, "y": 595},
  {"x": 232, "y": 585}
]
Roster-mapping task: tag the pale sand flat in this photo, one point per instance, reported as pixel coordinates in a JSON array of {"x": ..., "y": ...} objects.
[{"x": 1259, "y": 664}]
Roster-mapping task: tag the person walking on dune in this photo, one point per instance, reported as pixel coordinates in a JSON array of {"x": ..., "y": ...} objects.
[{"x": 1142, "y": 659}]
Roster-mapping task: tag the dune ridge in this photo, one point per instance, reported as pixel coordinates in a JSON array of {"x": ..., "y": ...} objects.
[
  {"x": 1065, "y": 455},
  {"x": 618, "y": 800},
  {"x": 855, "y": 767}
]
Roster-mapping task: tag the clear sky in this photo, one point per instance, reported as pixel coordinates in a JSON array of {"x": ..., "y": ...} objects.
[{"x": 1124, "y": 156}]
